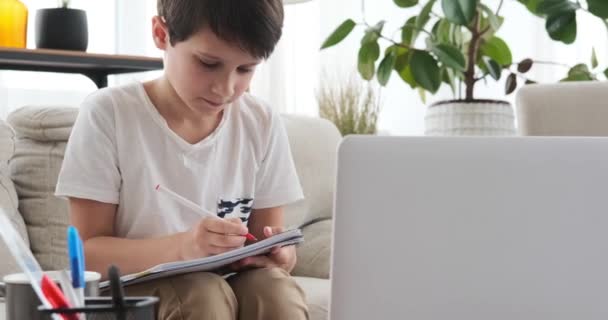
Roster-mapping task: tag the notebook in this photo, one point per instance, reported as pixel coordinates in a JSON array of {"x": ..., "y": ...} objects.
[{"x": 212, "y": 263}]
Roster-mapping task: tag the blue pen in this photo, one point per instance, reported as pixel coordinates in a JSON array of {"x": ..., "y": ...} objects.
[{"x": 75, "y": 252}]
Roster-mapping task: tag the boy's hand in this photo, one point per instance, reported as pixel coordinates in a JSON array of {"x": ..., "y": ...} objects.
[
  {"x": 282, "y": 257},
  {"x": 213, "y": 236}
]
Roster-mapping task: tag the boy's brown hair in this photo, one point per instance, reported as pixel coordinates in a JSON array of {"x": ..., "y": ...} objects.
[{"x": 254, "y": 25}]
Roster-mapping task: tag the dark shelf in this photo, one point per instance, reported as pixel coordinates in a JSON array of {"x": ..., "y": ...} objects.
[{"x": 95, "y": 66}]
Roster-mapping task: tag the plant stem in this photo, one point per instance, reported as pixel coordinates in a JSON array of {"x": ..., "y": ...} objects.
[
  {"x": 363, "y": 11},
  {"x": 499, "y": 7},
  {"x": 473, "y": 51},
  {"x": 552, "y": 63},
  {"x": 395, "y": 42}
]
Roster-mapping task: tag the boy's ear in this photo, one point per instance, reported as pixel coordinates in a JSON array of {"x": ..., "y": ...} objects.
[{"x": 160, "y": 33}]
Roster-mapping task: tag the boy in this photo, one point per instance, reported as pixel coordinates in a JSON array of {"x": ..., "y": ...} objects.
[{"x": 196, "y": 131}]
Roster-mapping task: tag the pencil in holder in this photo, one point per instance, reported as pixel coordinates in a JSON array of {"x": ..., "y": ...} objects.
[{"x": 104, "y": 308}]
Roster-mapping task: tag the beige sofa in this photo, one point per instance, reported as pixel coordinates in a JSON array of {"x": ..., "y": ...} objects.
[
  {"x": 563, "y": 109},
  {"x": 35, "y": 150}
]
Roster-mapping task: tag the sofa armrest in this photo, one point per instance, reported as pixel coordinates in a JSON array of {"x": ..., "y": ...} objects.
[{"x": 8, "y": 198}]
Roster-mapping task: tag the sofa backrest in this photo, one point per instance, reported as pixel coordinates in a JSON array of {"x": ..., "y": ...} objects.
[
  {"x": 563, "y": 109},
  {"x": 42, "y": 134}
]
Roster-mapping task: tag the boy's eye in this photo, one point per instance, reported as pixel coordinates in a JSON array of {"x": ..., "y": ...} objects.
[
  {"x": 209, "y": 65},
  {"x": 245, "y": 70}
]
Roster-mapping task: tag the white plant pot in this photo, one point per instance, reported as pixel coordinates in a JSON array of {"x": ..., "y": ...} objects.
[{"x": 470, "y": 118}]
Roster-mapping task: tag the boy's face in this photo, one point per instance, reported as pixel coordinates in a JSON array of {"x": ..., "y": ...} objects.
[{"x": 206, "y": 72}]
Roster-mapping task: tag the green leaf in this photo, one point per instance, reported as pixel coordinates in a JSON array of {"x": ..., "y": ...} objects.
[
  {"x": 406, "y": 3},
  {"x": 562, "y": 27},
  {"x": 447, "y": 76},
  {"x": 402, "y": 65},
  {"x": 422, "y": 95},
  {"x": 450, "y": 56},
  {"x": 497, "y": 49},
  {"x": 407, "y": 31},
  {"x": 457, "y": 35},
  {"x": 366, "y": 70},
  {"x": 368, "y": 54},
  {"x": 386, "y": 67},
  {"x": 424, "y": 16},
  {"x": 459, "y": 11},
  {"x": 579, "y": 68},
  {"x": 511, "y": 83},
  {"x": 598, "y": 8},
  {"x": 606, "y": 73},
  {"x": 339, "y": 34},
  {"x": 407, "y": 76},
  {"x": 494, "y": 69},
  {"x": 425, "y": 71},
  {"x": 403, "y": 58},
  {"x": 442, "y": 31},
  {"x": 373, "y": 33},
  {"x": 553, "y": 7},
  {"x": 532, "y": 5},
  {"x": 594, "y": 62},
  {"x": 495, "y": 23},
  {"x": 525, "y": 65},
  {"x": 580, "y": 72}
]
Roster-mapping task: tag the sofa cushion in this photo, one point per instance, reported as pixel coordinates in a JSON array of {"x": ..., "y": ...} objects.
[
  {"x": 317, "y": 296},
  {"x": 8, "y": 198},
  {"x": 314, "y": 145},
  {"x": 43, "y": 123},
  {"x": 42, "y": 134},
  {"x": 315, "y": 252}
]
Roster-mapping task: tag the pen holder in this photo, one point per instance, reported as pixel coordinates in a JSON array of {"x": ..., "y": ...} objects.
[{"x": 102, "y": 308}]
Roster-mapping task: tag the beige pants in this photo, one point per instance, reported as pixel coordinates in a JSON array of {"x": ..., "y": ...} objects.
[{"x": 267, "y": 294}]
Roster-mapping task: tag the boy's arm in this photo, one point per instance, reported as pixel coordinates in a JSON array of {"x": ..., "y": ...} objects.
[{"x": 95, "y": 222}]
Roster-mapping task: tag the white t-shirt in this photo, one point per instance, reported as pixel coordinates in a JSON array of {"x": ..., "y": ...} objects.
[{"x": 120, "y": 148}]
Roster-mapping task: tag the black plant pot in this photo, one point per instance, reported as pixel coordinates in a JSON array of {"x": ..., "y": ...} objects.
[{"x": 62, "y": 28}]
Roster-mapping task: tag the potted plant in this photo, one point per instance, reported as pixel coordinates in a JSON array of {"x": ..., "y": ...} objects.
[
  {"x": 460, "y": 49},
  {"x": 62, "y": 28},
  {"x": 351, "y": 105}
]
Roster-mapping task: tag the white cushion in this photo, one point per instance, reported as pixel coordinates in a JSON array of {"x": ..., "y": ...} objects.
[
  {"x": 42, "y": 134},
  {"x": 8, "y": 198},
  {"x": 315, "y": 252},
  {"x": 317, "y": 296}
]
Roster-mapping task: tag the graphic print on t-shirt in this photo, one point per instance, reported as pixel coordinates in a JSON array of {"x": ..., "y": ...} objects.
[{"x": 237, "y": 207}]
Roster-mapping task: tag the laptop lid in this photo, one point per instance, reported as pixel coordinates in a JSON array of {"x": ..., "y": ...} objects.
[{"x": 471, "y": 228}]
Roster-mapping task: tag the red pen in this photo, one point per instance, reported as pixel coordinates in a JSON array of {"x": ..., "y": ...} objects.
[
  {"x": 195, "y": 207},
  {"x": 54, "y": 295}
]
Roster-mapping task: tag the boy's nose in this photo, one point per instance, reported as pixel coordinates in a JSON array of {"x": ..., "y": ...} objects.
[{"x": 223, "y": 87}]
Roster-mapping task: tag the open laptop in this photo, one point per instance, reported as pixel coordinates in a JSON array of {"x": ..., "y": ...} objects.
[{"x": 471, "y": 228}]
